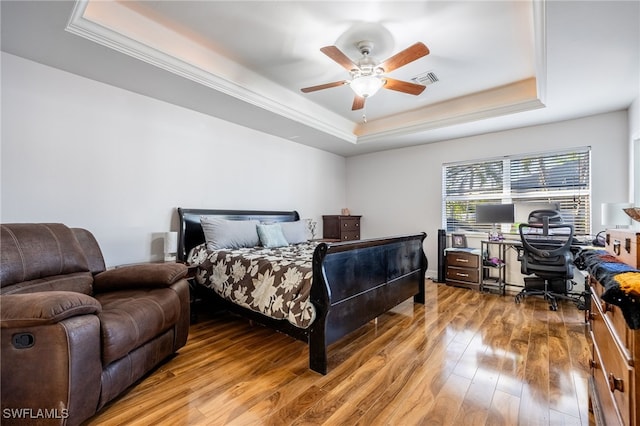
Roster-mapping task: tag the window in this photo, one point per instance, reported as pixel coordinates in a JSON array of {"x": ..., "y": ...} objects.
[{"x": 528, "y": 181}]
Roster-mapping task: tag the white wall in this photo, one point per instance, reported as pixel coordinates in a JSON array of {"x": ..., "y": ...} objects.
[
  {"x": 400, "y": 191},
  {"x": 87, "y": 154},
  {"x": 634, "y": 154},
  {"x": 91, "y": 155}
]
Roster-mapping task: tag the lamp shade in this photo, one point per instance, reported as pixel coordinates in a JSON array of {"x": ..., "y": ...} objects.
[
  {"x": 366, "y": 86},
  {"x": 614, "y": 215},
  {"x": 170, "y": 245}
]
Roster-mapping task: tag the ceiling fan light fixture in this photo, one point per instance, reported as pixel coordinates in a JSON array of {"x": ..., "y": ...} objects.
[{"x": 366, "y": 86}]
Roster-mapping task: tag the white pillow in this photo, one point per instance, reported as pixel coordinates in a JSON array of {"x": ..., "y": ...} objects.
[
  {"x": 221, "y": 233},
  {"x": 295, "y": 232}
]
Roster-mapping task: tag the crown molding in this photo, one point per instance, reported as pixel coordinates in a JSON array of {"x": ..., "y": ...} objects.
[{"x": 83, "y": 27}]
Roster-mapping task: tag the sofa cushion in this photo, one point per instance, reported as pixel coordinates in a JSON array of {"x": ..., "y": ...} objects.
[
  {"x": 27, "y": 310},
  {"x": 137, "y": 276},
  {"x": 30, "y": 251},
  {"x": 130, "y": 318}
]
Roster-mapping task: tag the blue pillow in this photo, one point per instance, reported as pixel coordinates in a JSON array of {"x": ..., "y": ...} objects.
[{"x": 271, "y": 236}]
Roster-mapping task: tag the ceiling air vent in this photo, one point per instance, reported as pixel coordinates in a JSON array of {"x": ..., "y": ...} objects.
[{"x": 426, "y": 78}]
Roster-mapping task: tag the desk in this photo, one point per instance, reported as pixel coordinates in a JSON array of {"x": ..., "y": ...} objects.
[{"x": 494, "y": 278}]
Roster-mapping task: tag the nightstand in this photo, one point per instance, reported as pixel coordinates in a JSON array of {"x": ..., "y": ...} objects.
[
  {"x": 463, "y": 268},
  {"x": 339, "y": 227}
]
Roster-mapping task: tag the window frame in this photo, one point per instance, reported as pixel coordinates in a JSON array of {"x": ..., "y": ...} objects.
[{"x": 571, "y": 190}]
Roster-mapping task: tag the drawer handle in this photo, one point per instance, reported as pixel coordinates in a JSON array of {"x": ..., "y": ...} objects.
[
  {"x": 462, "y": 260},
  {"x": 461, "y": 275},
  {"x": 615, "y": 384},
  {"x": 616, "y": 247}
]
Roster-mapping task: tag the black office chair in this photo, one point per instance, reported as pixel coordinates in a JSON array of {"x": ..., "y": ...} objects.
[{"x": 546, "y": 253}]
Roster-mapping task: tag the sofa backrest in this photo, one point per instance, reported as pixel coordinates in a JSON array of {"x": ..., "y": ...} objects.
[{"x": 41, "y": 257}]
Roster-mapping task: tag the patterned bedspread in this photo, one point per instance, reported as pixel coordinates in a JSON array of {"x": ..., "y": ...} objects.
[{"x": 273, "y": 281}]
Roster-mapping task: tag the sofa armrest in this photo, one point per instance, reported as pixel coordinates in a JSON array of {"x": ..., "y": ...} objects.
[
  {"x": 47, "y": 307},
  {"x": 137, "y": 276}
]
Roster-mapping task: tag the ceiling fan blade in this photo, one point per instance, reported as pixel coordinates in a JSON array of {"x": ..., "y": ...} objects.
[
  {"x": 405, "y": 56},
  {"x": 403, "y": 86},
  {"x": 323, "y": 86},
  {"x": 336, "y": 54},
  {"x": 358, "y": 103}
]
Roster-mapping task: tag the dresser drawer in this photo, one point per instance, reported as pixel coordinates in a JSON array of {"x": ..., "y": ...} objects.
[
  {"x": 350, "y": 224},
  {"x": 612, "y": 372},
  {"x": 463, "y": 274},
  {"x": 607, "y": 412},
  {"x": 342, "y": 228},
  {"x": 350, "y": 235},
  {"x": 623, "y": 244},
  {"x": 614, "y": 317},
  {"x": 462, "y": 259}
]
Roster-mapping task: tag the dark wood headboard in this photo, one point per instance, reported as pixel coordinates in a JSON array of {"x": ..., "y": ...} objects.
[{"x": 190, "y": 231}]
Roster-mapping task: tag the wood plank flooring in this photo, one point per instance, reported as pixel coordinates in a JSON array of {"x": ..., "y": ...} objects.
[{"x": 463, "y": 358}]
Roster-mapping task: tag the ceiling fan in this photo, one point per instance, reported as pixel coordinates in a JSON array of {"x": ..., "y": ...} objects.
[{"x": 367, "y": 76}]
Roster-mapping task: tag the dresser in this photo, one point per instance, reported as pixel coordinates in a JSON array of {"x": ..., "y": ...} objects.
[
  {"x": 463, "y": 268},
  {"x": 623, "y": 244},
  {"x": 615, "y": 348},
  {"x": 339, "y": 227}
]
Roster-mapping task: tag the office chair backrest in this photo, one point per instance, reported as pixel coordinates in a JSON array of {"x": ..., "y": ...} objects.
[
  {"x": 547, "y": 249},
  {"x": 544, "y": 216}
]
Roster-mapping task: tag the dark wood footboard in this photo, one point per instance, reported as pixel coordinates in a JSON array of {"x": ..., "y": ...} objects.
[{"x": 353, "y": 282}]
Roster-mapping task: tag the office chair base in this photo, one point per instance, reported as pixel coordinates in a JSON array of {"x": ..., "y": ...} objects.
[{"x": 580, "y": 299}]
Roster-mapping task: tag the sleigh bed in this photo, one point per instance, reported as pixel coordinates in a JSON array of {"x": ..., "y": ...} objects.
[{"x": 348, "y": 283}]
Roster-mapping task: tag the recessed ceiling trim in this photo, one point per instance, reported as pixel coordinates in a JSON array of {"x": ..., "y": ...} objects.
[
  {"x": 312, "y": 116},
  {"x": 508, "y": 99},
  {"x": 474, "y": 115},
  {"x": 118, "y": 27}
]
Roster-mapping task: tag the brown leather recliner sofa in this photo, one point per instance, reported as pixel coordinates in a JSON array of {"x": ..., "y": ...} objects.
[{"x": 74, "y": 335}]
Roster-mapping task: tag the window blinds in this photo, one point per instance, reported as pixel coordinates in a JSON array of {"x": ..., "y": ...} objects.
[{"x": 559, "y": 177}]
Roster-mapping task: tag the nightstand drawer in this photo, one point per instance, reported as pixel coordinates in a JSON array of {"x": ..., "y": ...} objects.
[
  {"x": 463, "y": 274},
  {"x": 462, "y": 259}
]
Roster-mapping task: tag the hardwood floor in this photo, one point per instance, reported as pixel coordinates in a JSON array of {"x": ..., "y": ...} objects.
[{"x": 464, "y": 358}]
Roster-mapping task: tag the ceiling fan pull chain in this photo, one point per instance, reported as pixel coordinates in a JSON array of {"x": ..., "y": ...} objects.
[{"x": 364, "y": 113}]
